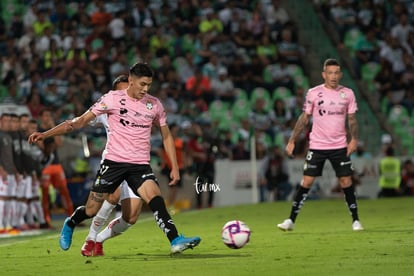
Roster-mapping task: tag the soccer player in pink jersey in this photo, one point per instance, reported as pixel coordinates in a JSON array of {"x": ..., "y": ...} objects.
[
  {"x": 332, "y": 107},
  {"x": 131, "y": 114},
  {"x": 93, "y": 245}
]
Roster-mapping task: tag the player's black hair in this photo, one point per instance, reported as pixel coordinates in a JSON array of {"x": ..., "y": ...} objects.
[
  {"x": 141, "y": 69},
  {"x": 329, "y": 62},
  {"x": 119, "y": 79}
]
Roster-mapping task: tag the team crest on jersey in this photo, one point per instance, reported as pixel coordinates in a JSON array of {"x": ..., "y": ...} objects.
[
  {"x": 342, "y": 94},
  {"x": 149, "y": 105}
]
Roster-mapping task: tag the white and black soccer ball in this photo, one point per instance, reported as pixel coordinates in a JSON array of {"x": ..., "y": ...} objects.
[{"x": 235, "y": 234}]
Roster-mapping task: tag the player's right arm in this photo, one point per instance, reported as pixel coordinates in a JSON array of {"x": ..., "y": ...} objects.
[
  {"x": 168, "y": 142},
  {"x": 300, "y": 125},
  {"x": 63, "y": 128}
]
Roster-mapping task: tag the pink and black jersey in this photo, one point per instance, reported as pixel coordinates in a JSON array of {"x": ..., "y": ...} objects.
[
  {"x": 329, "y": 109},
  {"x": 129, "y": 125}
]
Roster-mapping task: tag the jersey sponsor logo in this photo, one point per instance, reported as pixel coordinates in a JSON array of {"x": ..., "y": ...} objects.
[
  {"x": 149, "y": 116},
  {"x": 140, "y": 125},
  {"x": 336, "y": 112}
]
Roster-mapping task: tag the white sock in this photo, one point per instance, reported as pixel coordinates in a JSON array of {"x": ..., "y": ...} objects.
[
  {"x": 7, "y": 213},
  {"x": 2, "y": 204},
  {"x": 30, "y": 215},
  {"x": 118, "y": 214},
  {"x": 36, "y": 211},
  {"x": 14, "y": 220},
  {"x": 23, "y": 213},
  {"x": 99, "y": 220},
  {"x": 116, "y": 227}
]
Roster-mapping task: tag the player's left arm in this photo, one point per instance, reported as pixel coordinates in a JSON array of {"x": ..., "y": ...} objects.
[
  {"x": 353, "y": 132},
  {"x": 168, "y": 142}
]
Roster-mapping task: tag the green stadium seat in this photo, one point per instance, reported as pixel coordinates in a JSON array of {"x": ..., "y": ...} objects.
[
  {"x": 267, "y": 140},
  {"x": 10, "y": 7},
  {"x": 281, "y": 92},
  {"x": 260, "y": 93},
  {"x": 3, "y": 92},
  {"x": 350, "y": 39},
  {"x": 241, "y": 94},
  {"x": 267, "y": 75},
  {"x": 301, "y": 81},
  {"x": 407, "y": 140},
  {"x": 296, "y": 70},
  {"x": 368, "y": 72},
  {"x": 240, "y": 108},
  {"x": 279, "y": 140},
  {"x": 226, "y": 121},
  {"x": 398, "y": 114},
  {"x": 384, "y": 106},
  {"x": 217, "y": 109}
]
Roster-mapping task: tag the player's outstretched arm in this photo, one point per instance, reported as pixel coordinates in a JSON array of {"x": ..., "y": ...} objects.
[{"x": 63, "y": 128}]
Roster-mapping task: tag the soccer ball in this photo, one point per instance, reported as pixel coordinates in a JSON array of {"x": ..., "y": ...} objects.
[{"x": 235, "y": 234}]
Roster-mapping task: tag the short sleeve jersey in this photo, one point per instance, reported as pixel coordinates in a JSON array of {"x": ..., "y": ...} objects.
[
  {"x": 329, "y": 109},
  {"x": 129, "y": 125}
]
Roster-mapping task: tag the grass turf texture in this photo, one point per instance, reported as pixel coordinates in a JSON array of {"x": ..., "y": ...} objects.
[{"x": 322, "y": 243}]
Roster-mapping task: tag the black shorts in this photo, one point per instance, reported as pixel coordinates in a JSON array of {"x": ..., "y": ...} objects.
[
  {"x": 315, "y": 160},
  {"x": 111, "y": 174}
]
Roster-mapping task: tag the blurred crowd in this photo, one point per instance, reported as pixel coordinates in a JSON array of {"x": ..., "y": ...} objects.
[
  {"x": 224, "y": 70},
  {"x": 380, "y": 37},
  {"x": 205, "y": 54}
]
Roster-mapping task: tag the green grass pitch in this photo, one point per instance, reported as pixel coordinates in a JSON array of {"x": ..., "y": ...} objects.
[{"x": 322, "y": 243}]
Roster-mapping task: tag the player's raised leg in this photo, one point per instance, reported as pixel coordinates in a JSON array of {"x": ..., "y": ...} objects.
[{"x": 150, "y": 193}]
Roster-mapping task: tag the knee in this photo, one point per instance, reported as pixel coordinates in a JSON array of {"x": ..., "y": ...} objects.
[
  {"x": 130, "y": 219},
  {"x": 113, "y": 199},
  {"x": 149, "y": 190},
  {"x": 306, "y": 184},
  {"x": 345, "y": 182}
]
